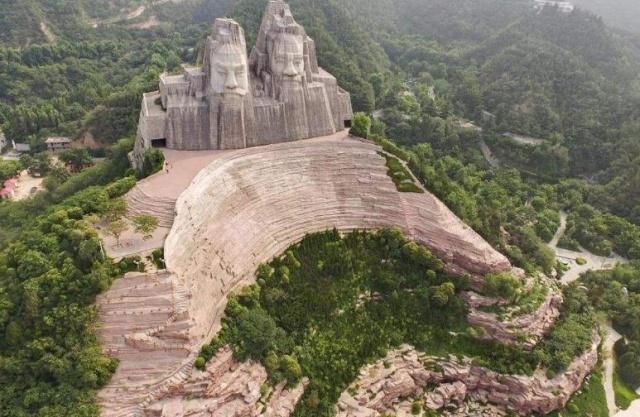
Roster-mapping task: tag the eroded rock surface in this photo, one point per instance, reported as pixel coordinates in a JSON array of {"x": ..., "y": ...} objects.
[
  {"x": 406, "y": 374},
  {"x": 524, "y": 330},
  {"x": 226, "y": 388}
]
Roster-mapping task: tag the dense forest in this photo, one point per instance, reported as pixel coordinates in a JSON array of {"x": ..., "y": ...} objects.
[{"x": 424, "y": 67}]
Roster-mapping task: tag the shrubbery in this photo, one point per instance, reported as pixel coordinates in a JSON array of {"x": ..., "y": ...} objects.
[
  {"x": 361, "y": 126},
  {"x": 152, "y": 163},
  {"x": 503, "y": 285}
]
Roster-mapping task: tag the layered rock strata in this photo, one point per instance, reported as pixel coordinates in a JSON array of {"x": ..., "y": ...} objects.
[
  {"x": 144, "y": 322},
  {"x": 404, "y": 373},
  {"x": 250, "y": 205},
  {"x": 226, "y": 388},
  {"x": 524, "y": 330}
]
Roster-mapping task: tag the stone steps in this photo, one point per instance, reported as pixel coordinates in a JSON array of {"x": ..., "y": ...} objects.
[{"x": 140, "y": 203}]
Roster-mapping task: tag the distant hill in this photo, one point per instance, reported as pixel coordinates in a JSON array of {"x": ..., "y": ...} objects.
[
  {"x": 622, "y": 14},
  {"x": 28, "y": 22}
]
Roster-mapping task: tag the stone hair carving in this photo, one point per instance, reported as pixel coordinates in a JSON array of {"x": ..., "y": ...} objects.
[{"x": 277, "y": 94}]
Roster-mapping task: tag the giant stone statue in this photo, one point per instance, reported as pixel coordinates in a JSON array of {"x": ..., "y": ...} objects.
[{"x": 279, "y": 94}]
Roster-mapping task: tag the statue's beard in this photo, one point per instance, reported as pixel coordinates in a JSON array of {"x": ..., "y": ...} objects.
[{"x": 285, "y": 86}]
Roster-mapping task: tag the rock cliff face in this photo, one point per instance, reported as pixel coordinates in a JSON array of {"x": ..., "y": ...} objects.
[
  {"x": 226, "y": 388},
  {"x": 250, "y": 205},
  {"x": 524, "y": 330},
  {"x": 385, "y": 386}
]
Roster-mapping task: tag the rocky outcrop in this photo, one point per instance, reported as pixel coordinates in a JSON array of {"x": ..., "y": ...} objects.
[
  {"x": 406, "y": 374},
  {"x": 226, "y": 388},
  {"x": 524, "y": 330}
]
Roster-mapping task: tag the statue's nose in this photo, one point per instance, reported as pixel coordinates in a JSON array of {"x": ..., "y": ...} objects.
[
  {"x": 290, "y": 70},
  {"x": 231, "y": 83}
]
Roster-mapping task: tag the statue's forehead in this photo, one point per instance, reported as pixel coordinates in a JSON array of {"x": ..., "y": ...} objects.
[
  {"x": 288, "y": 42},
  {"x": 230, "y": 52}
]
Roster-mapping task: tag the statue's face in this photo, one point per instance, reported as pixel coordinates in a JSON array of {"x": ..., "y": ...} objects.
[
  {"x": 287, "y": 57},
  {"x": 229, "y": 71}
]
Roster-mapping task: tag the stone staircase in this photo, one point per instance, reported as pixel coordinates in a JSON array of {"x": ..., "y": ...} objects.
[
  {"x": 145, "y": 324},
  {"x": 139, "y": 203}
]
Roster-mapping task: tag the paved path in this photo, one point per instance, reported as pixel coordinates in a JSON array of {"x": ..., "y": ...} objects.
[
  {"x": 609, "y": 365},
  {"x": 569, "y": 257},
  {"x": 524, "y": 140}
]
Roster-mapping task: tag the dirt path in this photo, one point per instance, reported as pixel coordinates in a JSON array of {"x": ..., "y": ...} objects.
[
  {"x": 488, "y": 155},
  {"x": 26, "y": 183},
  {"x": 51, "y": 38}
]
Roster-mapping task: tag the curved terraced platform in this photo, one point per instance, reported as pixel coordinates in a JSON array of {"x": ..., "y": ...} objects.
[
  {"x": 248, "y": 206},
  {"x": 243, "y": 209}
]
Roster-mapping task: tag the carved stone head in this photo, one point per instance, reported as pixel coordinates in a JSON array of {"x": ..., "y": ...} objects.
[
  {"x": 278, "y": 60},
  {"x": 225, "y": 61},
  {"x": 286, "y": 58}
]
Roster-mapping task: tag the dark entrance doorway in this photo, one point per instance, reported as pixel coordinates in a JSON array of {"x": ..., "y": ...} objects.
[
  {"x": 158, "y": 143},
  {"x": 347, "y": 124}
]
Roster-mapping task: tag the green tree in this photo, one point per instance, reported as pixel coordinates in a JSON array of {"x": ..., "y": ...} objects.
[
  {"x": 38, "y": 165},
  {"x": 146, "y": 225},
  {"x": 76, "y": 158},
  {"x": 116, "y": 228},
  {"x": 361, "y": 125},
  {"x": 115, "y": 210}
]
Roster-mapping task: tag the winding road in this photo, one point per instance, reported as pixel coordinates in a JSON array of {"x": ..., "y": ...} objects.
[{"x": 595, "y": 262}]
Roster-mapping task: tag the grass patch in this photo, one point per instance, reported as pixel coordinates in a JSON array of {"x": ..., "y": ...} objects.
[
  {"x": 589, "y": 401},
  {"x": 400, "y": 175},
  {"x": 581, "y": 261},
  {"x": 522, "y": 301},
  {"x": 391, "y": 148},
  {"x": 624, "y": 394}
]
